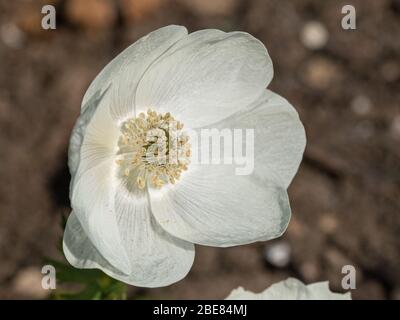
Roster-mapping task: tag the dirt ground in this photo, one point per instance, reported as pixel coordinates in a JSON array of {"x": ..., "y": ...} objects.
[{"x": 345, "y": 198}]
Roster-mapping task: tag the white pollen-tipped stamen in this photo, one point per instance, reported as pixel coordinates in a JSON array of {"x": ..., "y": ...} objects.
[{"x": 156, "y": 147}]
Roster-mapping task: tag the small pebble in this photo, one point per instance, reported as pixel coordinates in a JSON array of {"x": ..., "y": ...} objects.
[
  {"x": 12, "y": 36},
  {"x": 361, "y": 105},
  {"x": 328, "y": 223},
  {"x": 28, "y": 283},
  {"x": 278, "y": 254},
  {"x": 321, "y": 73},
  {"x": 314, "y": 35}
]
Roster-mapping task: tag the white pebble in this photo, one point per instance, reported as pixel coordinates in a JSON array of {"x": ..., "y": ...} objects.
[
  {"x": 278, "y": 254},
  {"x": 314, "y": 35}
]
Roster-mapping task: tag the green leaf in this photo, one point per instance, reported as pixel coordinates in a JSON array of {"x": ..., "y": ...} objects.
[
  {"x": 89, "y": 284},
  {"x": 93, "y": 284}
]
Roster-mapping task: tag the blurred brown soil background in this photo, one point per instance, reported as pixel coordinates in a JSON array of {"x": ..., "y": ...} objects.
[{"x": 345, "y": 85}]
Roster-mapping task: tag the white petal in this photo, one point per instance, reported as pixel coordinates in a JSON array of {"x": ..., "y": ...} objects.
[
  {"x": 206, "y": 77},
  {"x": 116, "y": 84},
  {"x": 115, "y": 231},
  {"x": 157, "y": 258},
  {"x": 321, "y": 291},
  {"x": 94, "y": 178},
  {"x": 211, "y": 205},
  {"x": 290, "y": 289},
  {"x": 78, "y": 132},
  {"x": 92, "y": 160},
  {"x": 92, "y": 199},
  {"x": 279, "y": 140},
  {"x": 124, "y": 72},
  {"x": 79, "y": 250},
  {"x": 242, "y": 294},
  {"x": 94, "y": 138}
]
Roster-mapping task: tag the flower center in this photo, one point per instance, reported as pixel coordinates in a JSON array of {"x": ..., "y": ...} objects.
[{"x": 153, "y": 149}]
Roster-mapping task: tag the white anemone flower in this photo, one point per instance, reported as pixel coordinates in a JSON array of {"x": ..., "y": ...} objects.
[
  {"x": 291, "y": 289},
  {"x": 137, "y": 219}
]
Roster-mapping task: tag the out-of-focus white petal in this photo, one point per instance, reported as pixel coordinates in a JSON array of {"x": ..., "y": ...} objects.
[
  {"x": 290, "y": 289},
  {"x": 211, "y": 205},
  {"x": 124, "y": 71},
  {"x": 321, "y": 291},
  {"x": 206, "y": 77},
  {"x": 279, "y": 137},
  {"x": 241, "y": 294}
]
